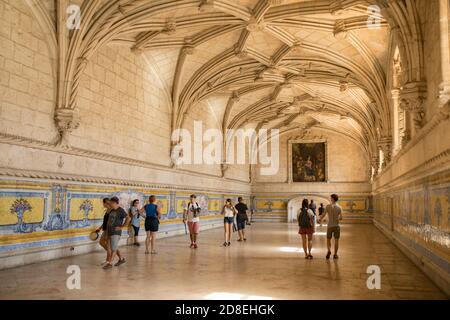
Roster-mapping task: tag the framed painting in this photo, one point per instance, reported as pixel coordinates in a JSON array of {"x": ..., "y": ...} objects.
[{"x": 308, "y": 161}]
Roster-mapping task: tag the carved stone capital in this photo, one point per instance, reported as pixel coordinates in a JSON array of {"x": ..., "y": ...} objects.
[
  {"x": 66, "y": 121},
  {"x": 235, "y": 96},
  {"x": 385, "y": 144},
  {"x": 412, "y": 99},
  {"x": 188, "y": 49}
]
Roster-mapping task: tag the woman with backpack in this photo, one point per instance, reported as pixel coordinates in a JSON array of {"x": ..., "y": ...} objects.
[
  {"x": 152, "y": 216},
  {"x": 305, "y": 220}
]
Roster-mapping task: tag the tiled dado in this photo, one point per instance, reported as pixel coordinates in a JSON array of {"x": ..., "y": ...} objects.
[
  {"x": 418, "y": 217},
  {"x": 272, "y": 207},
  {"x": 37, "y": 216}
]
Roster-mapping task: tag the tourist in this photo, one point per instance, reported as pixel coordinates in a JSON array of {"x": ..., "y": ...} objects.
[
  {"x": 115, "y": 224},
  {"x": 334, "y": 213},
  {"x": 104, "y": 241},
  {"x": 305, "y": 220},
  {"x": 241, "y": 218},
  {"x": 152, "y": 216},
  {"x": 135, "y": 215},
  {"x": 321, "y": 210},
  {"x": 191, "y": 214},
  {"x": 228, "y": 212}
]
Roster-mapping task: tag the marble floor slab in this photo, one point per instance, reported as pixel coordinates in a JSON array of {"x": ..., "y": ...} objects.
[{"x": 270, "y": 265}]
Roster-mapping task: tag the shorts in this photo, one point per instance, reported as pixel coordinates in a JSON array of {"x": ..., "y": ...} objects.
[
  {"x": 151, "y": 224},
  {"x": 194, "y": 227},
  {"x": 334, "y": 231},
  {"x": 228, "y": 220},
  {"x": 114, "y": 241},
  {"x": 136, "y": 231},
  {"x": 241, "y": 224},
  {"x": 309, "y": 230}
]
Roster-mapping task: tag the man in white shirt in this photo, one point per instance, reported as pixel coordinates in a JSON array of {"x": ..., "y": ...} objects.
[
  {"x": 334, "y": 213},
  {"x": 191, "y": 214}
]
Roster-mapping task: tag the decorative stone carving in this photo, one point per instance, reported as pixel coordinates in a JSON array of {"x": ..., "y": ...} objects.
[
  {"x": 66, "y": 122},
  {"x": 340, "y": 29},
  {"x": 385, "y": 144},
  {"x": 375, "y": 163},
  {"x": 253, "y": 25},
  {"x": 412, "y": 101},
  {"x": 223, "y": 168},
  {"x": 235, "y": 96},
  {"x": 336, "y": 7},
  {"x": 206, "y": 5},
  {"x": 170, "y": 27}
]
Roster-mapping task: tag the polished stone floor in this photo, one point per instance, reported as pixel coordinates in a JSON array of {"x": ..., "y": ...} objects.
[{"x": 268, "y": 266}]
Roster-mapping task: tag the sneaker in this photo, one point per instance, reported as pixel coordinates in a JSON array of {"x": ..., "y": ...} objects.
[
  {"x": 229, "y": 243},
  {"x": 107, "y": 266},
  {"x": 225, "y": 244},
  {"x": 118, "y": 263}
]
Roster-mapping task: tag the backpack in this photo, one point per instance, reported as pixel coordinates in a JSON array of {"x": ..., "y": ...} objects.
[{"x": 303, "y": 220}]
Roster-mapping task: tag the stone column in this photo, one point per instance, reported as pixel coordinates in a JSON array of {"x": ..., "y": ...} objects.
[
  {"x": 444, "y": 17},
  {"x": 398, "y": 125}
]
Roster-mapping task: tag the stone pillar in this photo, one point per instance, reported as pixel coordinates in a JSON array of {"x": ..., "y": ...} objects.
[
  {"x": 398, "y": 124},
  {"x": 444, "y": 17}
]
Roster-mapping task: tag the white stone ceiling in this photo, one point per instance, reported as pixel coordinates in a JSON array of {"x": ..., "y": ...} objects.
[
  {"x": 291, "y": 63},
  {"x": 282, "y": 61}
]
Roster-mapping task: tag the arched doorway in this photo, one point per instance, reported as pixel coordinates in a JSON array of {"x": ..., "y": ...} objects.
[{"x": 295, "y": 203}]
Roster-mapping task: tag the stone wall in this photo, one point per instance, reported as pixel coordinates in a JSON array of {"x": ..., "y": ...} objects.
[{"x": 347, "y": 175}]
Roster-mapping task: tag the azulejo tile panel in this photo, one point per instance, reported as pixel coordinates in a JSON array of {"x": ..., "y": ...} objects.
[
  {"x": 420, "y": 214},
  {"x": 38, "y": 214}
]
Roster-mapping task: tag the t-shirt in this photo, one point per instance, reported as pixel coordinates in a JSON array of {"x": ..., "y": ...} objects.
[
  {"x": 242, "y": 211},
  {"x": 228, "y": 212},
  {"x": 333, "y": 211},
  {"x": 135, "y": 221},
  {"x": 115, "y": 219},
  {"x": 150, "y": 210},
  {"x": 191, "y": 207}
]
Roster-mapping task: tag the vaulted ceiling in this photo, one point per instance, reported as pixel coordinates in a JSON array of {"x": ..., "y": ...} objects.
[{"x": 287, "y": 64}]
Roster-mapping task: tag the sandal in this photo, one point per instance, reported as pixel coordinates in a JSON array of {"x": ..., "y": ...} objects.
[
  {"x": 335, "y": 256},
  {"x": 328, "y": 255},
  {"x": 310, "y": 256}
]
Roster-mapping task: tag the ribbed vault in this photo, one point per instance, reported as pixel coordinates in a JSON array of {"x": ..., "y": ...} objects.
[{"x": 287, "y": 64}]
